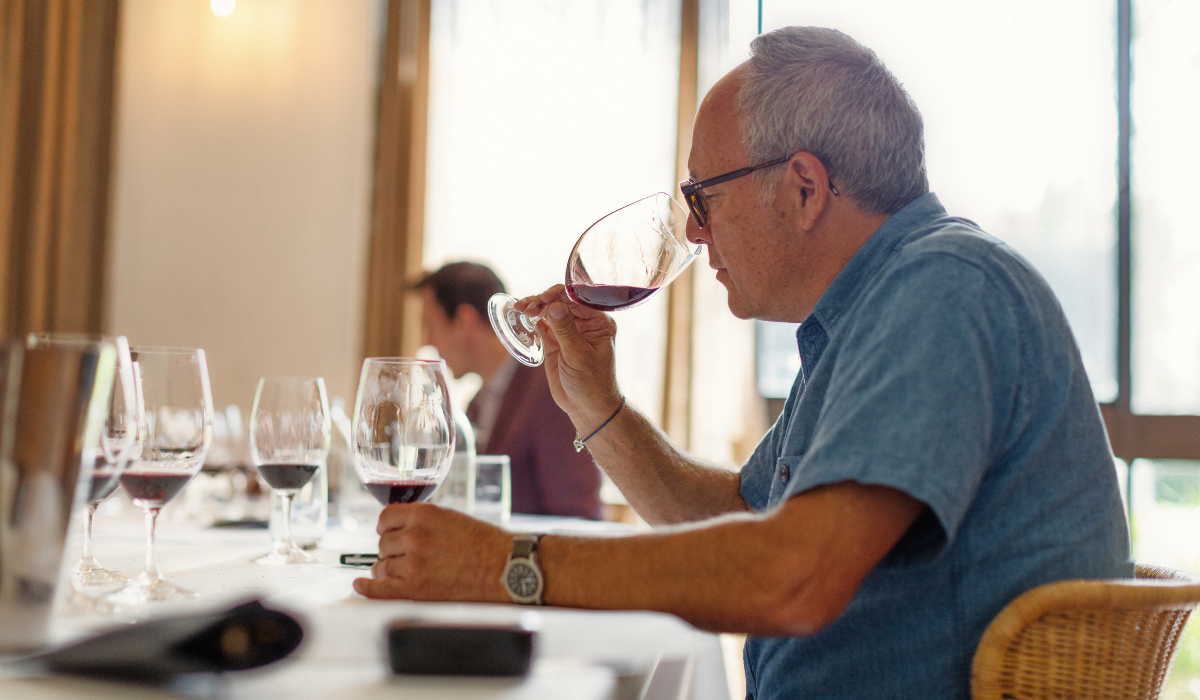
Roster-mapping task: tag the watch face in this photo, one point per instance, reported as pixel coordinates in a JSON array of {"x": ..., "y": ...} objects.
[{"x": 522, "y": 580}]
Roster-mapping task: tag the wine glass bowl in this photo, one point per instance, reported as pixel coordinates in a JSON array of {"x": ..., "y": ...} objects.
[
  {"x": 175, "y": 431},
  {"x": 622, "y": 259},
  {"x": 290, "y": 429},
  {"x": 403, "y": 437},
  {"x": 619, "y": 262}
]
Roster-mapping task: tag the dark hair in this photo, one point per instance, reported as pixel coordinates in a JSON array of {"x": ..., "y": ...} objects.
[{"x": 455, "y": 284}]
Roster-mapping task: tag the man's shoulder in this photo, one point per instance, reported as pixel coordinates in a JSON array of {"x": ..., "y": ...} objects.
[
  {"x": 952, "y": 252},
  {"x": 950, "y": 239}
]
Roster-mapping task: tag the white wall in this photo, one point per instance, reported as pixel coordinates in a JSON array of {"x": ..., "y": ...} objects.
[{"x": 242, "y": 185}]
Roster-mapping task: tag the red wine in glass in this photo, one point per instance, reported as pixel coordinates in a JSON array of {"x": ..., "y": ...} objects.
[
  {"x": 154, "y": 489},
  {"x": 608, "y": 297},
  {"x": 401, "y": 490},
  {"x": 102, "y": 486},
  {"x": 287, "y": 476},
  {"x": 619, "y": 262}
]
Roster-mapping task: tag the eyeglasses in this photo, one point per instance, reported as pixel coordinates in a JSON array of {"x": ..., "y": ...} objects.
[{"x": 695, "y": 202}]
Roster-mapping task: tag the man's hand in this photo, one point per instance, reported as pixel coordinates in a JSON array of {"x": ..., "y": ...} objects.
[
  {"x": 432, "y": 553},
  {"x": 579, "y": 356}
]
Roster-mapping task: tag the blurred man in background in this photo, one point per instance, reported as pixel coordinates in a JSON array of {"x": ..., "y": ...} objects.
[{"x": 513, "y": 413}]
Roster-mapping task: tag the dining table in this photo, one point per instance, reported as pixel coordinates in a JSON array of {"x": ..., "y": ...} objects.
[{"x": 578, "y": 654}]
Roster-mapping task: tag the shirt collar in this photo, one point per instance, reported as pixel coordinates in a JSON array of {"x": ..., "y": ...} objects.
[{"x": 846, "y": 287}]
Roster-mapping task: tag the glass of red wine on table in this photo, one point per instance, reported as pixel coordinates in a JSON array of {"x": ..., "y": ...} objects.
[
  {"x": 403, "y": 432},
  {"x": 289, "y": 440},
  {"x": 118, "y": 442},
  {"x": 175, "y": 431},
  {"x": 619, "y": 262}
]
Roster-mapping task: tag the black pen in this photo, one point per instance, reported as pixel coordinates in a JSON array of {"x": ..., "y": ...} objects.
[{"x": 359, "y": 559}]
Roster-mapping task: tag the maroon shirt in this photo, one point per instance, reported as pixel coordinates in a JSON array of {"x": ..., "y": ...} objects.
[{"x": 548, "y": 476}]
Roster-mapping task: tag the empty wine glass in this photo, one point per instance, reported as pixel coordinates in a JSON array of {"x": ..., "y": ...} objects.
[
  {"x": 403, "y": 433},
  {"x": 175, "y": 431},
  {"x": 619, "y": 262},
  {"x": 289, "y": 440}
]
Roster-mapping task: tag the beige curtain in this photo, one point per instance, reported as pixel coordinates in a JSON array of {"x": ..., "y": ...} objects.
[
  {"x": 393, "y": 323},
  {"x": 56, "y": 96}
]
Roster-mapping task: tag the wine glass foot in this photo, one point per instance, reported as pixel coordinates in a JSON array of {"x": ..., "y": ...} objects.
[
  {"x": 147, "y": 589},
  {"x": 515, "y": 330},
  {"x": 89, "y": 574},
  {"x": 281, "y": 557},
  {"x": 79, "y": 604}
]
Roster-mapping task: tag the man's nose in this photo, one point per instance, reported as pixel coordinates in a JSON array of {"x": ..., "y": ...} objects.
[{"x": 694, "y": 233}]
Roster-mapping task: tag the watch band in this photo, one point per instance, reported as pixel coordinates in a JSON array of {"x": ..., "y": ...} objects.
[
  {"x": 523, "y": 546},
  {"x": 522, "y": 576}
]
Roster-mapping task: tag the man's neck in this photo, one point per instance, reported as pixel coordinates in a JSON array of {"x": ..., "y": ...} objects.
[
  {"x": 847, "y": 236},
  {"x": 491, "y": 359}
]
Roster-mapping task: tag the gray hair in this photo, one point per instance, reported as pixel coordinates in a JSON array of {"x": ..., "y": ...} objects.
[{"x": 817, "y": 90}]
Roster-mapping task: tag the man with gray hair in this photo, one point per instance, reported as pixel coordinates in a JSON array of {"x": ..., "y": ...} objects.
[{"x": 940, "y": 453}]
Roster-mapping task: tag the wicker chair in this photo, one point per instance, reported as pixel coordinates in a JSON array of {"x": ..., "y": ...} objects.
[{"x": 1086, "y": 639}]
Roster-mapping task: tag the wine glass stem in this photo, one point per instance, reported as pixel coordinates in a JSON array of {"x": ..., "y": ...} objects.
[
  {"x": 151, "y": 521},
  {"x": 285, "y": 503},
  {"x": 530, "y": 322},
  {"x": 87, "y": 535}
]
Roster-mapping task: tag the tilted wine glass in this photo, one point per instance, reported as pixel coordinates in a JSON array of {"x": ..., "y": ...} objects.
[
  {"x": 403, "y": 433},
  {"x": 289, "y": 440},
  {"x": 619, "y": 262},
  {"x": 175, "y": 430}
]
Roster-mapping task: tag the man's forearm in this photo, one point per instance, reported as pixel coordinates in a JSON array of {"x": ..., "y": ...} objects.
[
  {"x": 790, "y": 572},
  {"x": 662, "y": 484}
]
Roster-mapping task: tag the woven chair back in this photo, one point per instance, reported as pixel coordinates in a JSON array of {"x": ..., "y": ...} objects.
[{"x": 1086, "y": 639}]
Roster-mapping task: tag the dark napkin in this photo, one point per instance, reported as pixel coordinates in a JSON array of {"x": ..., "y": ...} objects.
[{"x": 243, "y": 637}]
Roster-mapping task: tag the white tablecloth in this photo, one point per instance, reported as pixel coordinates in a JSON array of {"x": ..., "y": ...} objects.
[{"x": 579, "y": 654}]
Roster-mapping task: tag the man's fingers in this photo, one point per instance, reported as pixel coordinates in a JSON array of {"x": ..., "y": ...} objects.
[
  {"x": 398, "y": 516},
  {"x": 380, "y": 587},
  {"x": 533, "y": 305},
  {"x": 562, "y": 321}
]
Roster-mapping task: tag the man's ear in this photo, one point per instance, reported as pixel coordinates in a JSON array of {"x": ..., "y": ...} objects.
[
  {"x": 465, "y": 316},
  {"x": 805, "y": 185}
]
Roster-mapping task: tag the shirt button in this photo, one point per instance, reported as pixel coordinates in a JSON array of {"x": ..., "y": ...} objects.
[{"x": 784, "y": 474}]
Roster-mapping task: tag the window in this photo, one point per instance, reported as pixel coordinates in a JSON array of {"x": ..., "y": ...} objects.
[
  {"x": 1166, "y": 235},
  {"x": 543, "y": 117}
]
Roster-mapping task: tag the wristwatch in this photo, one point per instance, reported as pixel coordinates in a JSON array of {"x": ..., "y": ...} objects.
[{"x": 522, "y": 576}]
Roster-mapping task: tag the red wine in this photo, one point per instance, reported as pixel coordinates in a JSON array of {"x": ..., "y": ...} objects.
[
  {"x": 401, "y": 491},
  {"x": 607, "y": 297},
  {"x": 154, "y": 489},
  {"x": 103, "y": 485},
  {"x": 287, "y": 476}
]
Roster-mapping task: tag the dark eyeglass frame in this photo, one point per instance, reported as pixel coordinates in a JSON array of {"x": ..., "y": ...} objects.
[{"x": 691, "y": 190}]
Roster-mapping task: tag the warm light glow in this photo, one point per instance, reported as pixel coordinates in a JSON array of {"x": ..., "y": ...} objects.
[{"x": 223, "y": 8}]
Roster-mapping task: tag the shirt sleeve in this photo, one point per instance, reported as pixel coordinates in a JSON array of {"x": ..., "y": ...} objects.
[
  {"x": 912, "y": 395},
  {"x": 758, "y": 471}
]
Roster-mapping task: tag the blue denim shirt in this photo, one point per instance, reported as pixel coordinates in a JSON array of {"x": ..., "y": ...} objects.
[{"x": 939, "y": 363}]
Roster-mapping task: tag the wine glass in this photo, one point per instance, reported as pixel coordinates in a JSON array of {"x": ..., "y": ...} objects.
[
  {"x": 403, "y": 433},
  {"x": 175, "y": 430},
  {"x": 618, "y": 262},
  {"x": 118, "y": 443},
  {"x": 289, "y": 439}
]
